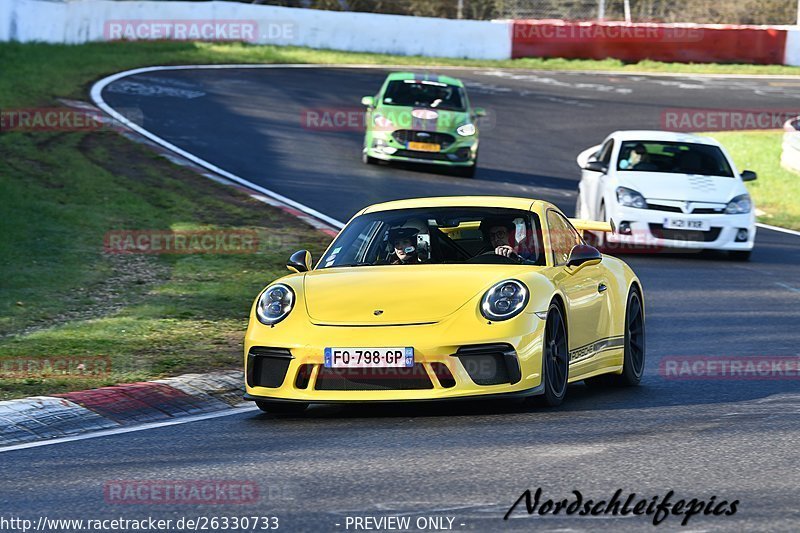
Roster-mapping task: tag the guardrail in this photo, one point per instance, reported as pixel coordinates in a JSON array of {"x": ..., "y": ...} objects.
[{"x": 790, "y": 151}]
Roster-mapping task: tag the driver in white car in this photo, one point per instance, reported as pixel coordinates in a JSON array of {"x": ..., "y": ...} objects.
[{"x": 639, "y": 159}]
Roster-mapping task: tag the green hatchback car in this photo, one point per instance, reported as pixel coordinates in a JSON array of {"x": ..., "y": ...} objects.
[{"x": 422, "y": 118}]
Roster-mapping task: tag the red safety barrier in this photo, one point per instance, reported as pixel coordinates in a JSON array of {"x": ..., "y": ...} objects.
[{"x": 661, "y": 42}]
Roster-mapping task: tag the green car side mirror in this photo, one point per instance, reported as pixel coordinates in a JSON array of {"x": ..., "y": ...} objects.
[
  {"x": 480, "y": 112},
  {"x": 368, "y": 101}
]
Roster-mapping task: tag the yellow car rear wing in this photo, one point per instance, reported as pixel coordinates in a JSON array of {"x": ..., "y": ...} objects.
[{"x": 593, "y": 225}]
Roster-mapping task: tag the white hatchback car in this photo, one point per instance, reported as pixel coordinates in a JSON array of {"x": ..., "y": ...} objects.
[{"x": 667, "y": 190}]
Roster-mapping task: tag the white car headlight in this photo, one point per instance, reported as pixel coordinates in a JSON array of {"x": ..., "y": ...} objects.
[
  {"x": 466, "y": 130},
  {"x": 630, "y": 198},
  {"x": 740, "y": 204},
  {"x": 504, "y": 300},
  {"x": 382, "y": 122},
  {"x": 275, "y": 304}
]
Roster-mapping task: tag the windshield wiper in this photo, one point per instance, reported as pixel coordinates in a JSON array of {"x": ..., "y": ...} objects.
[{"x": 353, "y": 264}]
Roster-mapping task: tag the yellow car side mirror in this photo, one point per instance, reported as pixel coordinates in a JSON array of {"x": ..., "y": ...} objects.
[{"x": 300, "y": 261}]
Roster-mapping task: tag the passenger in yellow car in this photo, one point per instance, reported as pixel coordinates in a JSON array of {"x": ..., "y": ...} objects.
[{"x": 404, "y": 242}]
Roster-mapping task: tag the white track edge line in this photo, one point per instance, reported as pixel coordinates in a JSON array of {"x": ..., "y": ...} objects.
[
  {"x": 777, "y": 228},
  {"x": 97, "y": 98},
  {"x": 119, "y": 431}
]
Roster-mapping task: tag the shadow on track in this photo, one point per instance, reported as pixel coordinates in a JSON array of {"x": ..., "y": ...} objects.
[{"x": 655, "y": 391}]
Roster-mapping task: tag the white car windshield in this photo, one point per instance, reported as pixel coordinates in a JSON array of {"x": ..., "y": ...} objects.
[{"x": 673, "y": 158}]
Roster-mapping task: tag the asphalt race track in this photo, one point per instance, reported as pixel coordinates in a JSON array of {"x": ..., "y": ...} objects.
[{"x": 736, "y": 439}]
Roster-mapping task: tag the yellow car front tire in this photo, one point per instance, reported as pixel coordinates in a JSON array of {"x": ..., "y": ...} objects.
[{"x": 555, "y": 358}]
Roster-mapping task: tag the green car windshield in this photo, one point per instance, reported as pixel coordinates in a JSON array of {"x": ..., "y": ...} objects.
[{"x": 423, "y": 93}]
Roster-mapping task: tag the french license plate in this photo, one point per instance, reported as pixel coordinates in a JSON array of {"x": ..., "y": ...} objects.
[
  {"x": 687, "y": 223},
  {"x": 424, "y": 147},
  {"x": 369, "y": 357}
]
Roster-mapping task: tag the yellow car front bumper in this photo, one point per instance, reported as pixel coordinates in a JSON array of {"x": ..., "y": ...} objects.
[{"x": 500, "y": 358}]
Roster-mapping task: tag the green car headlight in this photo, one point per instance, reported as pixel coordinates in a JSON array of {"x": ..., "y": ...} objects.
[
  {"x": 382, "y": 122},
  {"x": 466, "y": 130},
  {"x": 275, "y": 304}
]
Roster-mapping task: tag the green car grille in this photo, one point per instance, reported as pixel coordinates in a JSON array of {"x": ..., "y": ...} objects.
[{"x": 406, "y": 136}]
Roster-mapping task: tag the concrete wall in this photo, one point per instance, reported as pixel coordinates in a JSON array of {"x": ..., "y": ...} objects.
[
  {"x": 80, "y": 21},
  {"x": 89, "y": 20},
  {"x": 792, "y": 54}
]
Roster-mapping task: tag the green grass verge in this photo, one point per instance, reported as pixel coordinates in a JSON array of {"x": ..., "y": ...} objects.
[
  {"x": 151, "y": 315},
  {"x": 776, "y": 191},
  {"x": 61, "y": 294},
  {"x": 158, "y": 315}
]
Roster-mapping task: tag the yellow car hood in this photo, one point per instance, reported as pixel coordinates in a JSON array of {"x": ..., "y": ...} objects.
[{"x": 397, "y": 294}]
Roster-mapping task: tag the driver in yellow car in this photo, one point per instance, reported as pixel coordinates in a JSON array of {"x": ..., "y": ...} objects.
[{"x": 500, "y": 234}]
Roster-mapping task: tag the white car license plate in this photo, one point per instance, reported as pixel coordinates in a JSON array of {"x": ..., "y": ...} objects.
[
  {"x": 687, "y": 223},
  {"x": 369, "y": 357}
]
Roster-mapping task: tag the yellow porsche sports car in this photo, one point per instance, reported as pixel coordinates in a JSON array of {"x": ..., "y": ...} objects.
[{"x": 446, "y": 298}]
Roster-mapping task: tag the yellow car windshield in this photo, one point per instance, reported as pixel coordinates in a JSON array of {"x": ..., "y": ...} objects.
[{"x": 447, "y": 235}]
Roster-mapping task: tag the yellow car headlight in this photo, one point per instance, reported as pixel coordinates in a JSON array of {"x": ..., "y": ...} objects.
[
  {"x": 504, "y": 300},
  {"x": 275, "y": 304}
]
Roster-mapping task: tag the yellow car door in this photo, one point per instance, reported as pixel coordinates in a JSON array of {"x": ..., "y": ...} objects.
[{"x": 587, "y": 291}]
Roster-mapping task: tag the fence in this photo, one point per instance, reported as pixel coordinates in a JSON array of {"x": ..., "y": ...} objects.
[
  {"x": 752, "y": 12},
  {"x": 696, "y": 11}
]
